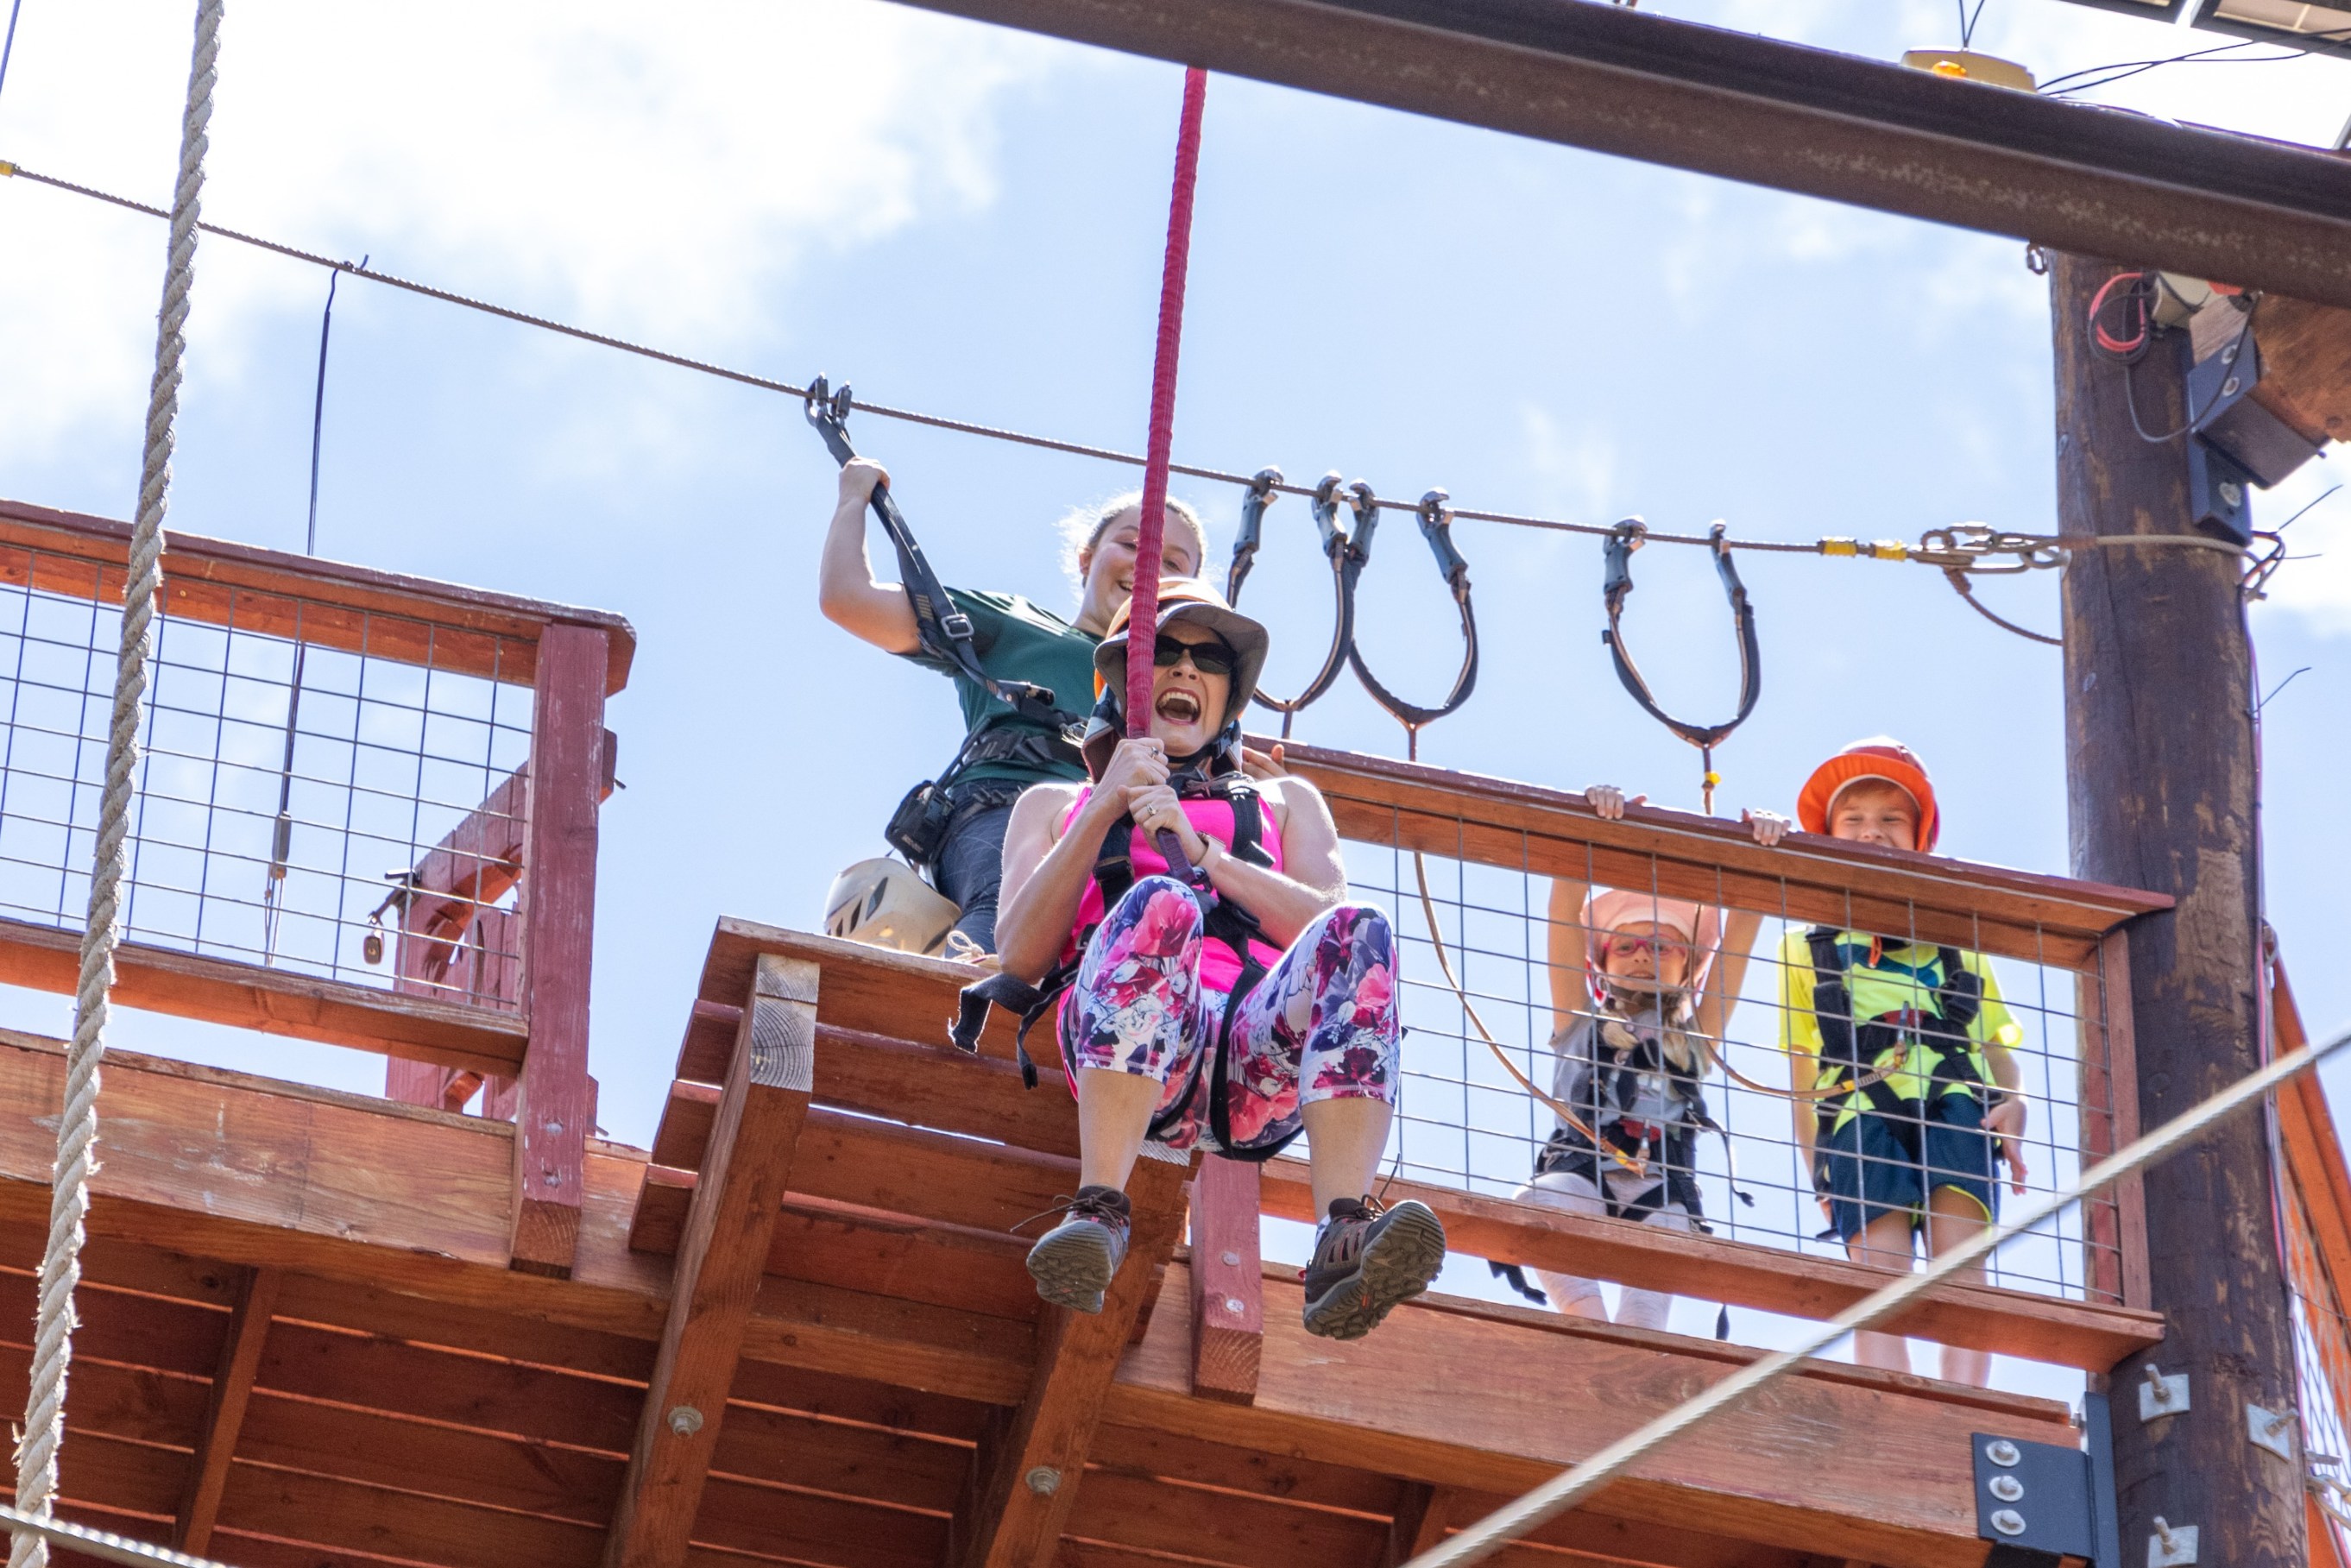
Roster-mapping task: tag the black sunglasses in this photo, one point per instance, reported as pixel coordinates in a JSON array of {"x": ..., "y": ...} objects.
[{"x": 1212, "y": 658}]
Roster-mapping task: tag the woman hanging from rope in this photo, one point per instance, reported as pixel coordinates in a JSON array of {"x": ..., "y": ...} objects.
[
  {"x": 1230, "y": 1010},
  {"x": 956, "y": 829},
  {"x": 1642, "y": 987}
]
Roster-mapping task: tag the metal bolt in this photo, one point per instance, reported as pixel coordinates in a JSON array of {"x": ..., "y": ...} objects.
[
  {"x": 1232, "y": 1303},
  {"x": 551, "y": 1180},
  {"x": 2008, "y": 1489},
  {"x": 2229, "y": 387},
  {"x": 2160, "y": 1394},
  {"x": 2001, "y": 1452},
  {"x": 2233, "y": 493},
  {"x": 2008, "y": 1521},
  {"x": 2171, "y": 1546},
  {"x": 1044, "y": 1480},
  {"x": 686, "y": 1420},
  {"x": 1232, "y": 1259},
  {"x": 2229, "y": 355},
  {"x": 2272, "y": 1430},
  {"x": 553, "y": 1127}
]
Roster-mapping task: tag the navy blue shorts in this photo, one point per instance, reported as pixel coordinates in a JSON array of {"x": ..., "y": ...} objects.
[{"x": 1871, "y": 1172}]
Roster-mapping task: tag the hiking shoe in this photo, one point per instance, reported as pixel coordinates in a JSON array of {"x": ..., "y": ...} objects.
[
  {"x": 1366, "y": 1260},
  {"x": 1074, "y": 1262}
]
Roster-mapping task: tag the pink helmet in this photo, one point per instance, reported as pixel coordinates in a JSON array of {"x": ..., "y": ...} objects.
[{"x": 1607, "y": 909}]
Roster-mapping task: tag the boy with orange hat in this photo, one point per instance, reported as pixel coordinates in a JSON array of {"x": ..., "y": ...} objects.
[{"x": 1913, "y": 1096}]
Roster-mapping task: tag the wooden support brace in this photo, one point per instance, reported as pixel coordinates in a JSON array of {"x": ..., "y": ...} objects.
[
  {"x": 1227, "y": 1281},
  {"x": 232, "y": 1390},
  {"x": 1423, "y": 1513},
  {"x": 558, "y": 897},
  {"x": 1030, "y": 1480},
  {"x": 720, "y": 1260}
]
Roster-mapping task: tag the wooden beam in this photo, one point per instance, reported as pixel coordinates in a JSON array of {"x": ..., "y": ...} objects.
[
  {"x": 1032, "y": 1476},
  {"x": 232, "y": 1391},
  {"x": 2113, "y": 1228},
  {"x": 1473, "y": 1395},
  {"x": 1550, "y": 833},
  {"x": 2012, "y": 1323},
  {"x": 1419, "y": 1524},
  {"x": 470, "y": 631},
  {"x": 2305, "y": 366},
  {"x": 719, "y": 1262},
  {"x": 1227, "y": 1281},
  {"x": 555, "y": 1104},
  {"x": 271, "y": 1001}
]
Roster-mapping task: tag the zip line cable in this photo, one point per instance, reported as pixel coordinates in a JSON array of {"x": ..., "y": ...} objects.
[
  {"x": 44, "y": 1401},
  {"x": 103, "y": 1544},
  {"x": 1580, "y": 1483},
  {"x": 1964, "y": 546}
]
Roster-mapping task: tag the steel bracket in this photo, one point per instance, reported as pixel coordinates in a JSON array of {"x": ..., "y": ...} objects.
[
  {"x": 2272, "y": 1430},
  {"x": 2161, "y": 1396},
  {"x": 2033, "y": 1502}
]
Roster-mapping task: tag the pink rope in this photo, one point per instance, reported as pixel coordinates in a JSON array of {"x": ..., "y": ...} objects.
[{"x": 1143, "y": 624}]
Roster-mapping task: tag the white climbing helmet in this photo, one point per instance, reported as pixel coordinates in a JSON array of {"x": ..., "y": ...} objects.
[{"x": 883, "y": 903}]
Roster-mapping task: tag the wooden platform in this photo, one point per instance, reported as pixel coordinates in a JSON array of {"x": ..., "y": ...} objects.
[{"x": 303, "y": 1344}]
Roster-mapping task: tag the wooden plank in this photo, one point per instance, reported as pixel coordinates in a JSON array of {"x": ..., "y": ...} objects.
[
  {"x": 2114, "y": 1231},
  {"x": 271, "y": 1001},
  {"x": 727, "y": 1242},
  {"x": 1465, "y": 1395},
  {"x": 1228, "y": 1276},
  {"x": 903, "y": 1258},
  {"x": 2012, "y": 1323},
  {"x": 503, "y": 627},
  {"x": 1553, "y": 832},
  {"x": 1027, "y": 1487},
  {"x": 555, "y": 1105},
  {"x": 1245, "y": 1531},
  {"x": 709, "y": 1037},
  {"x": 1220, "y": 1468},
  {"x": 2305, "y": 365},
  {"x": 232, "y": 1390}
]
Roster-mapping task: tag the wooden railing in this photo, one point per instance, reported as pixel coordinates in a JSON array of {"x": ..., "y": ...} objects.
[
  {"x": 880, "y": 1053},
  {"x": 491, "y": 948}
]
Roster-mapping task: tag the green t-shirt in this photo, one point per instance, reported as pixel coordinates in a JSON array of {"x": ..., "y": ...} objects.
[{"x": 1017, "y": 640}]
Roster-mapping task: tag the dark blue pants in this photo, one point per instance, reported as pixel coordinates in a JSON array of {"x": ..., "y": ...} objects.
[{"x": 970, "y": 869}]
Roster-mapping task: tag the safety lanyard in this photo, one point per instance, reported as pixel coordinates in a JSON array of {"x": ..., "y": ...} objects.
[
  {"x": 1436, "y": 520},
  {"x": 1618, "y": 587},
  {"x": 1344, "y": 553}
]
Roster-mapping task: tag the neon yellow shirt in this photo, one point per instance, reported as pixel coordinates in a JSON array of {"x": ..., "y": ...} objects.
[{"x": 1899, "y": 978}]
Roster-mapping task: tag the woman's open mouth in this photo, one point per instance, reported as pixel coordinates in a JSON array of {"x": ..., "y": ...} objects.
[{"x": 1178, "y": 707}]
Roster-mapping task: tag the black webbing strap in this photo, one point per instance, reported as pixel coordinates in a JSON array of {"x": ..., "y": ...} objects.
[
  {"x": 1345, "y": 555},
  {"x": 1436, "y": 526},
  {"x": 1618, "y": 586},
  {"x": 944, "y": 631}
]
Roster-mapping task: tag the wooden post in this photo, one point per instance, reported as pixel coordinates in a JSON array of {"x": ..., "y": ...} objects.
[
  {"x": 558, "y": 901},
  {"x": 1227, "y": 1281},
  {"x": 2159, "y": 759}
]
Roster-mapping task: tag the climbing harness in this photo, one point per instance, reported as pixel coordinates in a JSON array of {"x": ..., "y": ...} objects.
[
  {"x": 45, "y": 1403},
  {"x": 1855, "y": 1045},
  {"x": 1628, "y": 537},
  {"x": 1436, "y": 526},
  {"x": 1341, "y": 550},
  {"x": 917, "y": 827}
]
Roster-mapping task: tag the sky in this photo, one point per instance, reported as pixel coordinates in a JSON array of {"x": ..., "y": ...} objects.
[{"x": 968, "y": 220}]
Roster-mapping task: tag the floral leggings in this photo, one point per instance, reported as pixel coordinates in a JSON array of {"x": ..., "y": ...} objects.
[{"x": 1322, "y": 1025}]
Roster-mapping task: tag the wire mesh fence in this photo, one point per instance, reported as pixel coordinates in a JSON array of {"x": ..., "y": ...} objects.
[
  {"x": 1497, "y": 967},
  {"x": 303, "y": 764}
]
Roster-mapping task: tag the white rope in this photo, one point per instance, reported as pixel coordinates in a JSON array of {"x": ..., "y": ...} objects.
[
  {"x": 45, "y": 1403},
  {"x": 99, "y": 1543},
  {"x": 1577, "y": 1484}
]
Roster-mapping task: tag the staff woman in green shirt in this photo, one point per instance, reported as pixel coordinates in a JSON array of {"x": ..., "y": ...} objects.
[{"x": 1016, "y": 641}]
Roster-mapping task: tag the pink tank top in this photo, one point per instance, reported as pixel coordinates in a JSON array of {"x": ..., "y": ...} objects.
[{"x": 1219, "y": 970}]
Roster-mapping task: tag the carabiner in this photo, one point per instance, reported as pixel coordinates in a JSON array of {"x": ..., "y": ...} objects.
[
  {"x": 828, "y": 412},
  {"x": 1346, "y": 559},
  {"x": 1436, "y": 520},
  {"x": 1623, "y": 540}
]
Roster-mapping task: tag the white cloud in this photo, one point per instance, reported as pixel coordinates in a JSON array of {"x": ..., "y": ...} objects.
[
  {"x": 654, "y": 170},
  {"x": 1578, "y": 467}
]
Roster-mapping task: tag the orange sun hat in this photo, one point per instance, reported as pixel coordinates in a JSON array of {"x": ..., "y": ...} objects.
[{"x": 1880, "y": 758}]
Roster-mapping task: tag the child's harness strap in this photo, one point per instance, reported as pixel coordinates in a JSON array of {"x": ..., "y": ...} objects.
[{"x": 1856, "y": 1046}]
